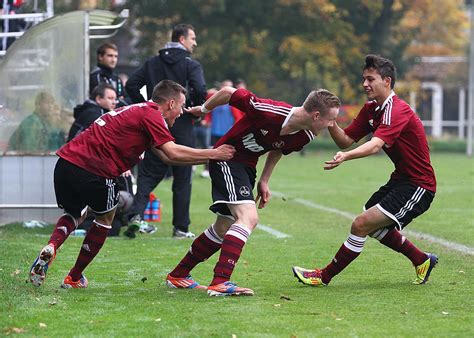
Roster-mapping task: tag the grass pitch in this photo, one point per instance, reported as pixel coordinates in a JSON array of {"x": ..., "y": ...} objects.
[{"x": 373, "y": 297}]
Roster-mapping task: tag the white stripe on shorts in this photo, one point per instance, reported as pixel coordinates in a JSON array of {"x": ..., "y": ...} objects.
[
  {"x": 411, "y": 202},
  {"x": 229, "y": 181},
  {"x": 110, "y": 193}
]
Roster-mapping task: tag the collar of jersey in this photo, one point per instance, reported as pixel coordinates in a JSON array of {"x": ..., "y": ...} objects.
[
  {"x": 288, "y": 118},
  {"x": 382, "y": 107}
]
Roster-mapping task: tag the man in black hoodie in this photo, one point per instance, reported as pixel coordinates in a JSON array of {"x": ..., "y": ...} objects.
[
  {"x": 173, "y": 63},
  {"x": 107, "y": 58},
  {"x": 102, "y": 99}
]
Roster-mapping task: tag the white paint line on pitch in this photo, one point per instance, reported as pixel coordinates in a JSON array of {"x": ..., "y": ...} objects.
[
  {"x": 419, "y": 235},
  {"x": 272, "y": 231}
]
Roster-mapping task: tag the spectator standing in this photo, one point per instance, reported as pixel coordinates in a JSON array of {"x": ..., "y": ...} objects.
[
  {"x": 173, "y": 62},
  {"x": 107, "y": 58}
]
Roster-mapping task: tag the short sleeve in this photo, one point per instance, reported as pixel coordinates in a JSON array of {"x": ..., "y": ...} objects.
[
  {"x": 360, "y": 126},
  {"x": 156, "y": 127},
  {"x": 393, "y": 122},
  {"x": 240, "y": 99}
]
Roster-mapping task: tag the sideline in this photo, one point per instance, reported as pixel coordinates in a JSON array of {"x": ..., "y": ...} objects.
[{"x": 419, "y": 235}]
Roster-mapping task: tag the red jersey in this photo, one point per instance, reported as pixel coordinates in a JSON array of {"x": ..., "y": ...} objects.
[
  {"x": 258, "y": 131},
  {"x": 115, "y": 141},
  {"x": 404, "y": 136}
]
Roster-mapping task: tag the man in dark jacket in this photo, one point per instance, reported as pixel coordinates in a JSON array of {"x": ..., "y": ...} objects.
[
  {"x": 173, "y": 63},
  {"x": 107, "y": 58},
  {"x": 103, "y": 99}
]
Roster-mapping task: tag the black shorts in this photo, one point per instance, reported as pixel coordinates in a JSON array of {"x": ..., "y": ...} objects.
[
  {"x": 77, "y": 188},
  {"x": 232, "y": 183},
  {"x": 402, "y": 201}
]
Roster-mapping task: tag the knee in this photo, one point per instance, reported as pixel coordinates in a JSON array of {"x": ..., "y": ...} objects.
[
  {"x": 359, "y": 226},
  {"x": 252, "y": 222}
]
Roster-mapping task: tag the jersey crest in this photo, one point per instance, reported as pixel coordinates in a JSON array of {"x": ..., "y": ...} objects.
[{"x": 278, "y": 144}]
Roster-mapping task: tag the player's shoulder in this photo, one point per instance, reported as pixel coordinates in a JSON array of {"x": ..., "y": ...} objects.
[
  {"x": 370, "y": 105},
  {"x": 399, "y": 102},
  {"x": 401, "y": 106},
  {"x": 263, "y": 103}
]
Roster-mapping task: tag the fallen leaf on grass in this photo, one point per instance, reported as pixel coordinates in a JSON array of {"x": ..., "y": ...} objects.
[
  {"x": 158, "y": 320},
  {"x": 16, "y": 330},
  {"x": 444, "y": 312},
  {"x": 15, "y": 273},
  {"x": 285, "y": 297},
  {"x": 276, "y": 305},
  {"x": 42, "y": 325},
  {"x": 144, "y": 279}
]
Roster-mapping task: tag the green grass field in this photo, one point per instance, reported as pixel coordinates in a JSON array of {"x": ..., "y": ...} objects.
[{"x": 373, "y": 297}]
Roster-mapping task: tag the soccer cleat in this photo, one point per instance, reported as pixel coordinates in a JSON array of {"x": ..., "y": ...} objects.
[
  {"x": 41, "y": 264},
  {"x": 308, "y": 277},
  {"x": 68, "y": 283},
  {"x": 133, "y": 226},
  {"x": 182, "y": 234},
  {"x": 146, "y": 228},
  {"x": 228, "y": 289},
  {"x": 423, "y": 271},
  {"x": 183, "y": 283}
]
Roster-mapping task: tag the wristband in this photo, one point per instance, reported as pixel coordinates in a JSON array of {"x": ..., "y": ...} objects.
[{"x": 204, "y": 110}]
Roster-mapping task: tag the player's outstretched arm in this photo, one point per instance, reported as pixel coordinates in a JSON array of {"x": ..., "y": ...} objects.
[
  {"x": 175, "y": 154},
  {"x": 263, "y": 191},
  {"x": 339, "y": 136},
  {"x": 218, "y": 99},
  {"x": 366, "y": 149}
]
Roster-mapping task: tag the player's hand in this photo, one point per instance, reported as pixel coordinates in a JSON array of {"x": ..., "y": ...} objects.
[
  {"x": 196, "y": 111},
  {"x": 263, "y": 194},
  {"x": 336, "y": 160},
  {"x": 224, "y": 152},
  {"x": 127, "y": 173}
]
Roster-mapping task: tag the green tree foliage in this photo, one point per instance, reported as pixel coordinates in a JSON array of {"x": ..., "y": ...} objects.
[{"x": 284, "y": 48}]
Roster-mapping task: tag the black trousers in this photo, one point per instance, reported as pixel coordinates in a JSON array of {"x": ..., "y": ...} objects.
[{"x": 152, "y": 170}]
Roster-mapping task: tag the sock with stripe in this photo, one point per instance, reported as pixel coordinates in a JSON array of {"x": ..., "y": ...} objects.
[
  {"x": 348, "y": 251},
  {"x": 396, "y": 241},
  {"x": 234, "y": 241},
  {"x": 64, "y": 226},
  {"x": 203, "y": 247},
  {"x": 91, "y": 246}
]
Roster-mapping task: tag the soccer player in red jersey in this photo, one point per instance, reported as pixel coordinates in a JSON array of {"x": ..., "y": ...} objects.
[
  {"x": 86, "y": 172},
  {"x": 267, "y": 126},
  {"x": 409, "y": 192}
]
